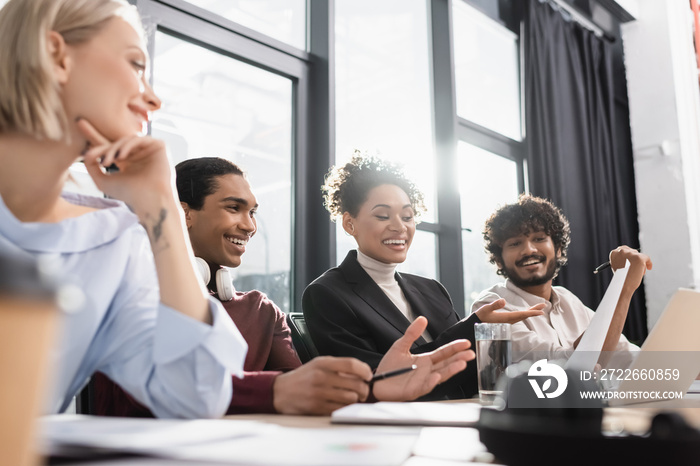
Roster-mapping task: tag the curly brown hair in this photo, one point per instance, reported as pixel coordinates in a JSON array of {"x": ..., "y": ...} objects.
[
  {"x": 346, "y": 187},
  {"x": 529, "y": 214}
]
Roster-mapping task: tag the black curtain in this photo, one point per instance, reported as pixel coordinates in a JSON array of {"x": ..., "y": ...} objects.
[{"x": 578, "y": 155}]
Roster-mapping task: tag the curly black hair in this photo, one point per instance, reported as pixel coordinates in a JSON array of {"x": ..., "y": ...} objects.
[
  {"x": 346, "y": 187},
  {"x": 197, "y": 178},
  {"x": 529, "y": 214}
]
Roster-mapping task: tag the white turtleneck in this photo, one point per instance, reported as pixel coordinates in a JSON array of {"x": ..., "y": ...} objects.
[{"x": 383, "y": 275}]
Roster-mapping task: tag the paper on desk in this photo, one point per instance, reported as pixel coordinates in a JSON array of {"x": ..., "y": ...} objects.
[
  {"x": 148, "y": 436},
  {"x": 228, "y": 441},
  {"x": 449, "y": 443},
  {"x": 420, "y": 461},
  {"x": 371, "y": 446},
  {"x": 588, "y": 350},
  {"x": 401, "y": 413}
]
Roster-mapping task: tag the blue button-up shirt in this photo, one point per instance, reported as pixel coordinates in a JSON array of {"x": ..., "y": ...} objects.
[{"x": 173, "y": 364}]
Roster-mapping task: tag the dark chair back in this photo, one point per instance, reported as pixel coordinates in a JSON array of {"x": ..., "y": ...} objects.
[
  {"x": 300, "y": 337},
  {"x": 85, "y": 400}
]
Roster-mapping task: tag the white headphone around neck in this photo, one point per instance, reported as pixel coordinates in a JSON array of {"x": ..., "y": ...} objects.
[{"x": 224, "y": 282}]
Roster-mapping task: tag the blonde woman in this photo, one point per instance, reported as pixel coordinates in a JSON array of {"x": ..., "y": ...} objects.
[{"x": 73, "y": 81}]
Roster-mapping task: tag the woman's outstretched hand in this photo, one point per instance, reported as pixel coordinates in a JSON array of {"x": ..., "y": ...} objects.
[{"x": 433, "y": 368}]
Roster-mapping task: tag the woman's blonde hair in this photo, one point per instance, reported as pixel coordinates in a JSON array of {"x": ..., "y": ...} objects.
[{"x": 30, "y": 97}]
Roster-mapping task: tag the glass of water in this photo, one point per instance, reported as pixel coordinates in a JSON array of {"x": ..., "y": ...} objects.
[{"x": 492, "y": 358}]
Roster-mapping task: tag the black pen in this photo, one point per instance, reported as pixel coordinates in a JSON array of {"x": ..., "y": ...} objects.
[
  {"x": 606, "y": 264},
  {"x": 386, "y": 375},
  {"x": 602, "y": 267}
]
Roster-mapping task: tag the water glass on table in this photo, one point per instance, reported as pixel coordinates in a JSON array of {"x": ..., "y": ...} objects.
[{"x": 493, "y": 348}]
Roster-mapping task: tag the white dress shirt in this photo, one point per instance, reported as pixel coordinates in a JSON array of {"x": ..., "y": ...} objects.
[{"x": 551, "y": 335}]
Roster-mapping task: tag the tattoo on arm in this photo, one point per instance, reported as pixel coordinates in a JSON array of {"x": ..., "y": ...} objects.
[
  {"x": 158, "y": 227},
  {"x": 156, "y": 232}
]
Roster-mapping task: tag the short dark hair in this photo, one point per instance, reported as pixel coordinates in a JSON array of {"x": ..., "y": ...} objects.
[
  {"x": 529, "y": 214},
  {"x": 347, "y": 186},
  {"x": 196, "y": 178}
]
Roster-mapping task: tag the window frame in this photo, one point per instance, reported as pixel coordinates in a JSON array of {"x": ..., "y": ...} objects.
[
  {"x": 313, "y": 146},
  {"x": 308, "y": 72},
  {"x": 450, "y": 129}
]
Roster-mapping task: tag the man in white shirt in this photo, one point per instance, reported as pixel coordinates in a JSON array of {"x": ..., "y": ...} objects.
[{"x": 528, "y": 242}]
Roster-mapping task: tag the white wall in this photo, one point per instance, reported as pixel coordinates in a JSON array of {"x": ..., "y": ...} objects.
[{"x": 662, "y": 82}]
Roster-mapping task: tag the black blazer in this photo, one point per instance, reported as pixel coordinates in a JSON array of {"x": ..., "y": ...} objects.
[{"x": 348, "y": 314}]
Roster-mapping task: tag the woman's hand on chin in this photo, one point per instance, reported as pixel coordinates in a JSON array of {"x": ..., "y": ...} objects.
[{"x": 143, "y": 177}]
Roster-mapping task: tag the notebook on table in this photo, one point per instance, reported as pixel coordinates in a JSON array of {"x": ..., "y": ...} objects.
[{"x": 447, "y": 414}]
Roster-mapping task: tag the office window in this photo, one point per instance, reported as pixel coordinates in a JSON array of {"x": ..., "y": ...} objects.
[
  {"x": 214, "y": 105},
  {"x": 284, "y": 20},
  {"x": 383, "y": 85},
  {"x": 487, "y": 181},
  {"x": 487, "y": 77},
  {"x": 383, "y": 93}
]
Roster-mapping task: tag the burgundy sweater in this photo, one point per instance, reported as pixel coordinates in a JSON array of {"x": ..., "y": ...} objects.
[{"x": 270, "y": 352}]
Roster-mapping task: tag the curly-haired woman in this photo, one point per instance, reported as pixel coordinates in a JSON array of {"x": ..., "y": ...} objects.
[{"x": 360, "y": 307}]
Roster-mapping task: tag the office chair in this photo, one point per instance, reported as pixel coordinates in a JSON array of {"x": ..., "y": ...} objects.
[
  {"x": 85, "y": 400},
  {"x": 300, "y": 337}
]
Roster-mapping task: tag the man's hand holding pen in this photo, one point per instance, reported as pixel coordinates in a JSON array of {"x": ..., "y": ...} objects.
[{"x": 639, "y": 264}]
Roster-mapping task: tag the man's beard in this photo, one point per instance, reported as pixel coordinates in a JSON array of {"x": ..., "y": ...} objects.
[{"x": 512, "y": 275}]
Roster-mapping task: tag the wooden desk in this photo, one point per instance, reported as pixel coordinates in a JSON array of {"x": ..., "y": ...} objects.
[
  {"x": 443, "y": 441},
  {"x": 310, "y": 422},
  {"x": 634, "y": 419},
  {"x": 447, "y": 445}
]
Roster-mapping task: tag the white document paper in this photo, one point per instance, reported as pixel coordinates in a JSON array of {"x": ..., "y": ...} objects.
[
  {"x": 449, "y": 444},
  {"x": 134, "y": 435},
  {"x": 402, "y": 413},
  {"x": 226, "y": 441},
  {"x": 371, "y": 446},
  {"x": 420, "y": 461},
  {"x": 586, "y": 355}
]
